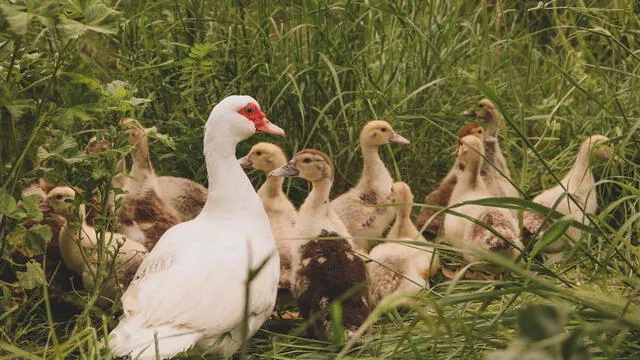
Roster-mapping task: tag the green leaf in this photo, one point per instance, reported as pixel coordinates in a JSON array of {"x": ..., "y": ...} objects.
[
  {"x": 33, "y": 277},
  {"x": 30, "y": 204},
  {"x": 18, "y": 20},
  {"x": 30, "y": 242},
  {"x": 9, "y": 207},
  {"x": 551, "y": 235}
]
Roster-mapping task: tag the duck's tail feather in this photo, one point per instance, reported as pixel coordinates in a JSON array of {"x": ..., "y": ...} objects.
[{"x": 131, "y": 338}]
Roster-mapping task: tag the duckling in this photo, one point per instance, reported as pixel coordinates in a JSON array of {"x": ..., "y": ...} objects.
[
  {"x": 145, "y": 212},
  {"x": 79, "y": 242},
  {"x": 398, "y": 267},
  {"x": 582, "y": 198},
  {"x": 187, "y": 198},
  {"x": 357, "y": 207},
  {"x": 281, "y": 212},
  {"x": 465, "y": 234},
  {"x": 324, "y": 269},
  {"x": 497, "y": 172},
  {"x": 442, "y": 194}
]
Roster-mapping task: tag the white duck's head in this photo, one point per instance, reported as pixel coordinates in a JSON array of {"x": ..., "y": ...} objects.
[{"x": 239, "y": 117}]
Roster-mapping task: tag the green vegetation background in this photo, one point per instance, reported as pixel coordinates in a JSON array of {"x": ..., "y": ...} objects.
[{"x": 70, "y": 69}]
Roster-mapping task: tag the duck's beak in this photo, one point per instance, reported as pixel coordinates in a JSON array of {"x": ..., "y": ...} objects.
[
  {"x": 285, "y": 171},
  {"x": 270, "y": 128},
  {"x": 396, "y": 138},
  {"x": 468, "y": 113},
  {"x": 44, "y": 206},
  {"x": 245, "y": 162}
]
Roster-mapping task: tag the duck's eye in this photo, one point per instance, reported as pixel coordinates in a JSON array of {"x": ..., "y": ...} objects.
[
  {"x": 479, "y": 131},
  {"x": 306, "y": 160},
  {"x": 249, "y": 110},
  {"x": 258, "y": 153},
  {"x": 59, "y": 197},
  {"x": 383, "y": 129},
  {"x": 481, "y": 106}
]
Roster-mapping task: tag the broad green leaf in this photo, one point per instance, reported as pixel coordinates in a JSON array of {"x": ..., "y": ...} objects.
[
  {"x": 30, "y": 204},
  {"x": 9, "y": 207},
  {"x": 32, "y": 241},
  {"x": 33, "y": 277},
  {"x": 18, "y": 20}
]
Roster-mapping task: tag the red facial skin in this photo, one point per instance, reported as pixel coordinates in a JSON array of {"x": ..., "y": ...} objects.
[{"x": 252, "y": 112}]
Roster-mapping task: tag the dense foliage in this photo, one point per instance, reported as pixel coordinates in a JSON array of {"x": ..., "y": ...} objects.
[{"x": 70, "y": 69}]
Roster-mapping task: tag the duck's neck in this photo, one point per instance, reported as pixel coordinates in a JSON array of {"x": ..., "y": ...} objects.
[
  {"x": 493, "y": 122},
  {"x": 373, "y": 168},
  {"x": 272, "y": 187},
  {"x": 141, "y": 160},
  {"x": 580, "y": 178},
  {"x": 318, "y": 199},
  {"x": 469, "y": 179},
  {"x": 403, "y": 227},
  {"x": 230, "y": 191}
]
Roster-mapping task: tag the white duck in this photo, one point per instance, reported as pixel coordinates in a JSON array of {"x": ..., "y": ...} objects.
[
  {"x": 398, "y": 267},
  {"x": 357, "y": 207},
  {"x": 324, "y": 270},
  {"x": 465, "y": 234},
  {"x": 581, "y": 195},
  {"x": 281, "y": 212},
  {"x": 78, "y": 244},
  {"x": 206, "y": 262}
]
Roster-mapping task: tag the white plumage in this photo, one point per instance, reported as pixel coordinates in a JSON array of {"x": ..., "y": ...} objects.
[{"x": 190, "y": 290}]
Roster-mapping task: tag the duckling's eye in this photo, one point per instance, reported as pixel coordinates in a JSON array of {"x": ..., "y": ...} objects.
[
  {"x": 306, "y": 160},
  {"x": 68, "y": 200},
  {"x": 59, "y": 197},
  {"x": 383, "y": 129},
  {"x": 258, "y": 153},
  {"x": 479, "y": 131}
]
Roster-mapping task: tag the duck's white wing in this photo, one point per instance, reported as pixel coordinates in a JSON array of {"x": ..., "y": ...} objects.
[{"x": 172, "y": 287}]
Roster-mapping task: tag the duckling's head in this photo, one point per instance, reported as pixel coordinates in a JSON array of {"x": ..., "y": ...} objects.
[
  {"x": 96, "y": 145},
  {"x": 476, "y": 130},
  {"x": 470, "y": 152},
  {"x": 401, "y": 193},
  {"x": 379, "y": 132},
  {"x": 487, "y": 111},
  {"x": 134, "y": 129},
  {"x": 60, "y": 201},
  {"x": 264, "y": 156},
  {"x": 309, "y": 164},
  {"x": 598, "y": 149}
]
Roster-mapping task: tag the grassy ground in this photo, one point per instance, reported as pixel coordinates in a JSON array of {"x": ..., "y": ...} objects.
[{"x": 321, "y": 69}]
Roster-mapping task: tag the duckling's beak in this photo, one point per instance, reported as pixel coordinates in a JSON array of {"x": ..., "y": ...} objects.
[
  {"x": 396, "y": 138},
  {"x": 245, "y": 162},
  {"x": 44, "y": 206},
  {"x": 285, "y": 171},
  {"x": 270, "y": 128},
  {"x": 468, "y": 113}
]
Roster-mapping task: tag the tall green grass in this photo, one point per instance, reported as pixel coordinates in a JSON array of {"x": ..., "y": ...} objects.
[{"x": 321, "y": 69}]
